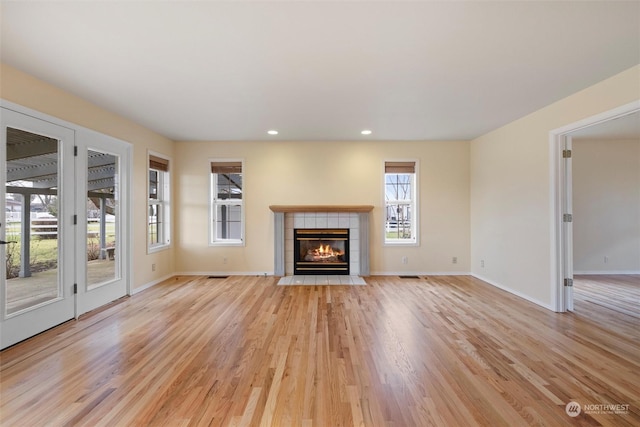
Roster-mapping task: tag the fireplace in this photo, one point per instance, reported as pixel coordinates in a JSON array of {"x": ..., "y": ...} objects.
[
  {"x": 321, "y": 251},
  {"x": 286, "y": 218}
]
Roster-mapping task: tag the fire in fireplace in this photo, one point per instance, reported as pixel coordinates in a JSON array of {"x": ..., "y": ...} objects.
[{"x": 321, "y": 251}]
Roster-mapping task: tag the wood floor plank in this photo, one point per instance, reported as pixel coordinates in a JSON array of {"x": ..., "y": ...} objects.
[{"x": 242, "y": 351}]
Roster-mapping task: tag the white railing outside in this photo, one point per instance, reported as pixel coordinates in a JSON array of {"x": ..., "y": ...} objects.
[{"x": 45, "y": 224}]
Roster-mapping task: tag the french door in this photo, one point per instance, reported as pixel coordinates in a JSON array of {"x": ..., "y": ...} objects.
[
  {"x": 102, "y": 200},
  {"x": 38, "y": 178},
  {"x": 65, "y": 195}
]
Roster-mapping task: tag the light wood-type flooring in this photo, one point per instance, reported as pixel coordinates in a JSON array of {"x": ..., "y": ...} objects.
[{"x": 242, "y": 351}]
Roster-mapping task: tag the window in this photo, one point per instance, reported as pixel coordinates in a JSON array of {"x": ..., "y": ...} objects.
[
  {"x": 400, "y": 199},
  {"x": 227, "y": 204},
  {"x": 158, "y": 220}
]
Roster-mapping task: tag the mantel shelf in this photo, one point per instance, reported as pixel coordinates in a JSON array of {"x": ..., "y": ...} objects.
[{"x": 321, "y": 208}]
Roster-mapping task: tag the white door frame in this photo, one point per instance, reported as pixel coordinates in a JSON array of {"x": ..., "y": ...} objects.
[{"x": 561, "y": 191}]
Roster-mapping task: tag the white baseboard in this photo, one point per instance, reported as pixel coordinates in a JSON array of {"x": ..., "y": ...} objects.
[
  {"x": 419, "y": 273},
  {"x": 271, "y": 273},
  {"x": 602, "y": 272},
  {"x": 150, "y": 284},
  {"x": 224, "y": 273},
  {"x": 514, "y": 292}
]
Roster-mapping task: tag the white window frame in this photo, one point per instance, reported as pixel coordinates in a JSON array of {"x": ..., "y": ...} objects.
[
  {"x": 163, "y": 204},
  {"x": 214, "y": 202},
  {"x": 413, "y": 204}
]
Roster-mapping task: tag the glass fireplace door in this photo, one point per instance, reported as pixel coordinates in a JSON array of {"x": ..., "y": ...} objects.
[{"x": 321, "y": 251}]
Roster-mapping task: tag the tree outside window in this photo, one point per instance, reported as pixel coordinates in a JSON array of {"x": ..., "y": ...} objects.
[{"x": 400, "y": 202}]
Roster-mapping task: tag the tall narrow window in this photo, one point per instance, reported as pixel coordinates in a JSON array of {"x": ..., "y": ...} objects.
[
  {"x": 400, "y": 199},
  {"x": 158, "y": 220},
  {"x": 227, "y": 203}
]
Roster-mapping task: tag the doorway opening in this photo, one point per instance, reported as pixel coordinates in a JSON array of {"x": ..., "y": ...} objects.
[{"x": 562, "y": 187}]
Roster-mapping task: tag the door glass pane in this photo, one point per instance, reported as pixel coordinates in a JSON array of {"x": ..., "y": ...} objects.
[
  {"x": 31, "y": 218},
  {"x": 102, "y": 218}
]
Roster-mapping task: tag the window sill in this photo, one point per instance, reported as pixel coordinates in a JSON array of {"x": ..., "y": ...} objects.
[
  {"x": 227, "y": 243},
  {"x": 157, "y": 248},
  {"x": 401, "y": 243}
]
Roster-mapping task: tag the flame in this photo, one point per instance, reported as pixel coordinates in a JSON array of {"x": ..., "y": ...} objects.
[
  {"x": 327, "y": 251},
  {"x": 323, "y": 253}
]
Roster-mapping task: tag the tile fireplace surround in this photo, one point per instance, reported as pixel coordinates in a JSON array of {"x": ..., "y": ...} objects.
[{"x": 353, "y": 217}]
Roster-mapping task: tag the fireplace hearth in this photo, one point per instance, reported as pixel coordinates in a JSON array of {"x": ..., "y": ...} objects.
[{"x": 321, "y": 251}]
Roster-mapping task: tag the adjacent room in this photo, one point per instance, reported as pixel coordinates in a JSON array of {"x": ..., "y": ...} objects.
[{"x": 320, "y": 213}]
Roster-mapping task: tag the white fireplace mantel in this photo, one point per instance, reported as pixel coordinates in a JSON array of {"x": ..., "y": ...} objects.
[{"x": 362, "y": 212}]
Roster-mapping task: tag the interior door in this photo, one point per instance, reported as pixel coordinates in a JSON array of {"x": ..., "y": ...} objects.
[
  {"x": 102, "y": 269},
  {"x": 37, "y": 285},
  {"x": 568, "y": 226}
]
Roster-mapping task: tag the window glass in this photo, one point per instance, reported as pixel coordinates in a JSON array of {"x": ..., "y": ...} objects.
[
  {"x": 400, "y": 202},
  {"x": 227, "y": 202},
  {"x": 158, "y": 224}
]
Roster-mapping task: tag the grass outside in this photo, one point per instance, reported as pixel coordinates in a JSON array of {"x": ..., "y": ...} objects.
[{"x": 44, "y": 250}]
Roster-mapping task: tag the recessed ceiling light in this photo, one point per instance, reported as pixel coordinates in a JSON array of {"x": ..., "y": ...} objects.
[
  {"x": 272, "y": 132},
  {"x": 366, "y": 132}
]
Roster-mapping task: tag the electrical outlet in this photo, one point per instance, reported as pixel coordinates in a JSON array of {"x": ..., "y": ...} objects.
[
  {"x": 606, "y": 259},
  {"x": 405, "y": 260},
  {"x": 153, "y": 267},
  {"x": 455, "y": 260},
  {"x": 224, "y": 260},
  {"x": 482, "y": 263}
]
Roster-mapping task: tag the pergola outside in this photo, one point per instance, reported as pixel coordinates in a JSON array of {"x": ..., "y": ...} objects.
[{"x": 32, "y": 167}]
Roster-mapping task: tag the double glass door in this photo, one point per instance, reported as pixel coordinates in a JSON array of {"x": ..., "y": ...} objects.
[{"x": 65, "y": 218}]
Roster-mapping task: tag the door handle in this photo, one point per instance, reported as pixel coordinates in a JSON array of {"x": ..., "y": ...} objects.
[{"x": 2, "y": 242}]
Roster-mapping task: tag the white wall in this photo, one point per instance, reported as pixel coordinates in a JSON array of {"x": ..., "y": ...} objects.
[
  {"x": 511, "y": 193},
  {"x": 606, "y": 206}
]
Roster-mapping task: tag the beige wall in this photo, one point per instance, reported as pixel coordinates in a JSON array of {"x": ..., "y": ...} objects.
[
  {"x": 325, "y": 173},
  {"x": 27, "y": 91},
  {"x": 606, "y": 206},
  {"x": 511, "y": 197}
]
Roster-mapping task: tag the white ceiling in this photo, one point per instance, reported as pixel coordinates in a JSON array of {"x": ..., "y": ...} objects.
[{"x": 320, "y": 70}]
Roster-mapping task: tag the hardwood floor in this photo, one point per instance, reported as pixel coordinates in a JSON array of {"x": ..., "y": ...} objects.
[
  {"x": 610, "y": 294},
  {"x": 242, "y": 351}
]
